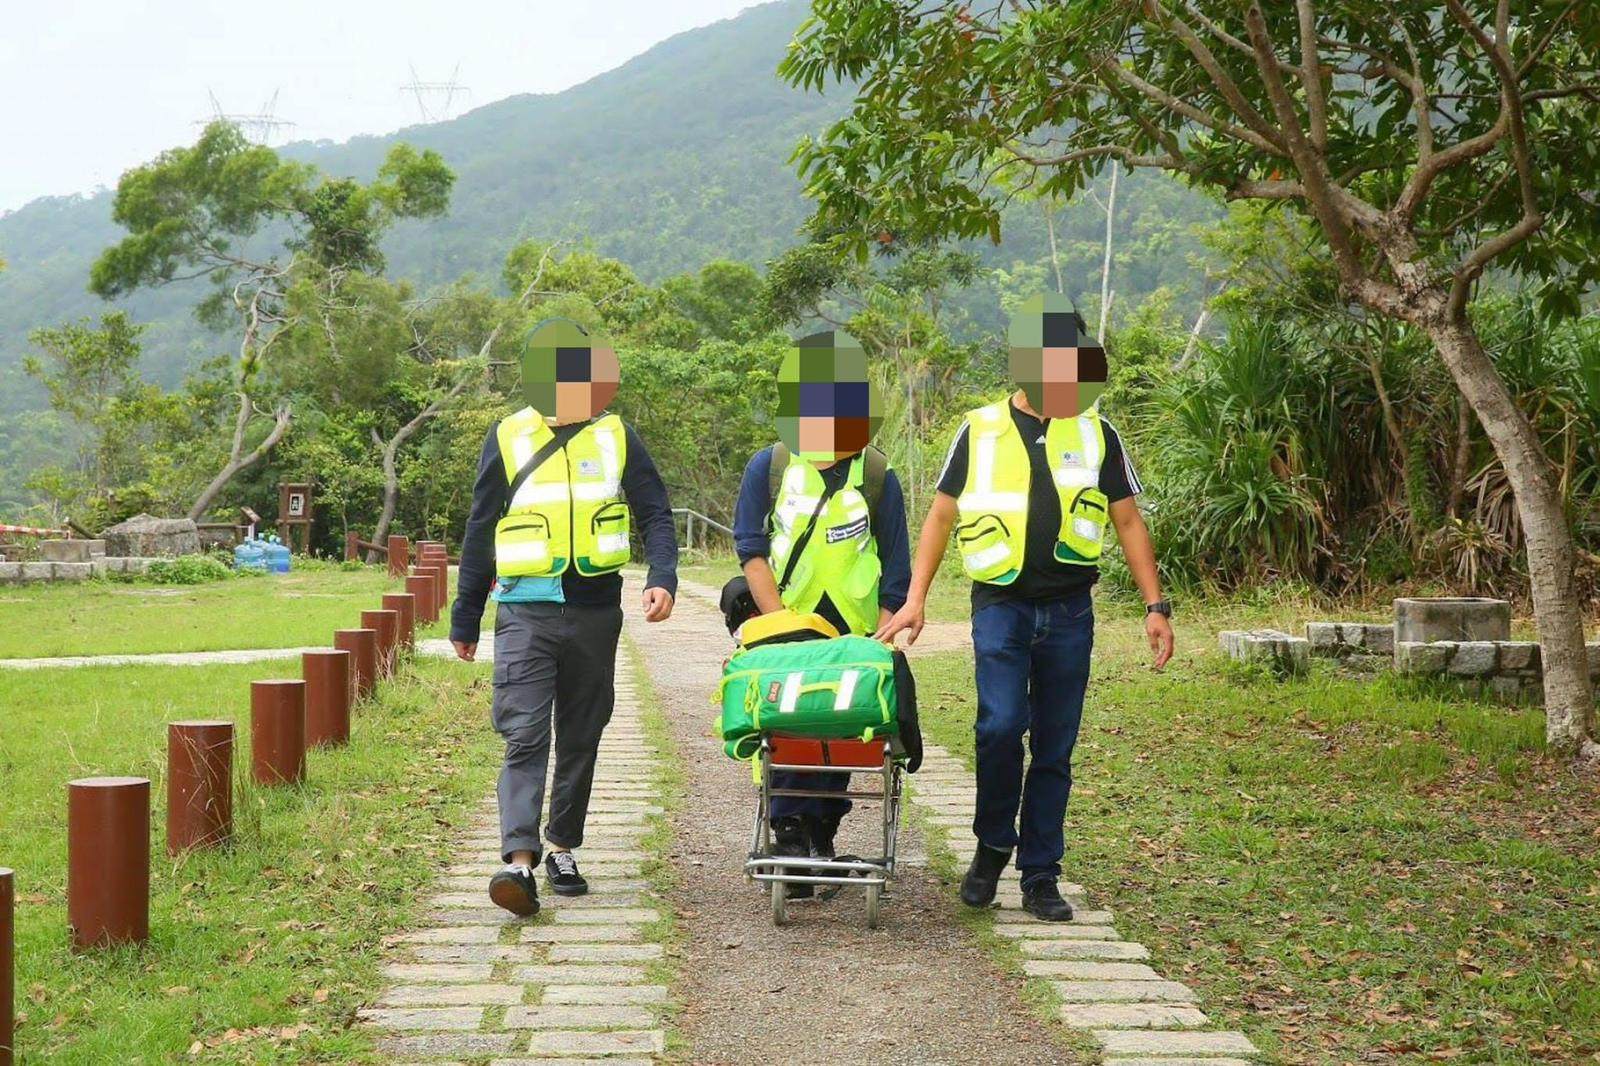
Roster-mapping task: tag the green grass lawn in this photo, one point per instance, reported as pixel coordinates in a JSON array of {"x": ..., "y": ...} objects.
[
  {"x": 113, "y": 618},
  {"x": 262, "y": 952},
  {"x": 1348, "y": 870}
]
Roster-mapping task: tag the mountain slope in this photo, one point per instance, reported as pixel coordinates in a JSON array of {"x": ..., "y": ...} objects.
[{"x": 676, "y": 157}]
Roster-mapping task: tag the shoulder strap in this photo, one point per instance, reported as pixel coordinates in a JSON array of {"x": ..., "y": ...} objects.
[
  {"x": 780, "y": 463},
  {"x": 805, "y": 538},
  {"x": 558, "y": 440},
  {"x": 875, "y": 472}
]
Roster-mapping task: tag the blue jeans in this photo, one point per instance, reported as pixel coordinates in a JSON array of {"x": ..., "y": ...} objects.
[{"x": 1032, "y": 661}]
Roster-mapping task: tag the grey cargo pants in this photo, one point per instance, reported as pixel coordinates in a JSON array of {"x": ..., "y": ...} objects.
[{"x": 551, "y": 662}]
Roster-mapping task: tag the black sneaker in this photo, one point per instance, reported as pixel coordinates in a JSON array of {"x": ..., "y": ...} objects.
[
  {"x": 562, "y": 869},
  {"x": 789, "y": 841},
  {"x": 513, "y": 889},
  {"x": 820, "y": 832},
  {"x": 983, "y": 876},
  {"x": 1042, "y": 899}
]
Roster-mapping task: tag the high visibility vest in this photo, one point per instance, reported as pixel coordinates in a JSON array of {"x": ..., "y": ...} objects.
[
  {"x": 568, "y": 512},
  {"x": 992, "y": 530},
  {"x": 840, "y": 559}
]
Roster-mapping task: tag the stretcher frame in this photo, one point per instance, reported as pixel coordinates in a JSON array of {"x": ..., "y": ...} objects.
[{"x": 872, "y": 874}]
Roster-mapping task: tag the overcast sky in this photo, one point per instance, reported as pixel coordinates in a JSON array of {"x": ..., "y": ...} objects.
[{"x": 89, "y": 88}]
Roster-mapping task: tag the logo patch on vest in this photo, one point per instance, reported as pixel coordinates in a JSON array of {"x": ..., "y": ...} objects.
[
  {"x": 1072, "y": 459},
  {"x": 848, "y": 530},
  {"x": 774, "y": 690},
  {"x": 589, "y": 467}
]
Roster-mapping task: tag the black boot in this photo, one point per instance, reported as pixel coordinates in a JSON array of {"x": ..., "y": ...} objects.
[
  {"x": 1042, "y": 898},
  {"x": 983, "y": 876},
  {"x": 789, "y": 840},
  {"x": 820, "y": 831}
]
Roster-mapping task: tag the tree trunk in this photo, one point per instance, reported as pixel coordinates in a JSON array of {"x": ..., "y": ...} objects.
[
  {"x": 1460, "y": 464},
  {"x": 391, "y": 495},
  {"x": 1552, "y": 559},
  {"x": 1105, "y": 266},
  {"x": 237, "y": 459}
]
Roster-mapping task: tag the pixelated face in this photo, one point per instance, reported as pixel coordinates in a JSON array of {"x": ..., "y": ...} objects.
[
  {"x": 567, "y": 375},
  {"x": 1056, "y": 362},
  {"x": 828, "y": 409}
]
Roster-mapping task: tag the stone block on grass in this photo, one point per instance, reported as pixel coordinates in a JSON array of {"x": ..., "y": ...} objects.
[
  {"x": 1269, "y": 647},
  {"x": 1098, "y": 991},
  {"x": 1132, "y": 1016},
  {"x": 625, "y": 1016},
  {"x": 1174, "y": 1043},
  {"x": 1474, "y": 658},
  {"x": 1422, "y": 660},
  {"x": 455, "y": 1018},
  {"x": 572, "y": 1042}
]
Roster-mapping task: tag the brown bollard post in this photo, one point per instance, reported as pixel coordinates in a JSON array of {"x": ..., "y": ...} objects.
[
  {"x": 421, "y": 587},
  {"x": 362, "y": 644},
  {"x": 328, "y": 688},
  {"x": 199, "y": 785},
  {"x": 405, "y": 605},
  {"x": 278, "y": 732},
  {"x": 440, "y": 572},
  {"x": 108, "y": 861},
  {"x": 399, "y": 556},
  {"x": 387, "y": 626},
  {"x": 8, "y": 967}
]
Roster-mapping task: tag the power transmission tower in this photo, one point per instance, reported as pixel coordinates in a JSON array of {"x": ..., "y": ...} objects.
[
  {"x": 435, "y": 99},
  {"x": 260, "y": 127}
]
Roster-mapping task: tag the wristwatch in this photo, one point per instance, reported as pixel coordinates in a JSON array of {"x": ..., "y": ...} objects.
[{"x": 1159, "y": 607}]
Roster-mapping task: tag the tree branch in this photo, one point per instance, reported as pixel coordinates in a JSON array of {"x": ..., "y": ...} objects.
[
  {"x": 1188, "y": 110},
  {"x": 1311, "y": 75},
  {"x": 1219, "y": 77}
]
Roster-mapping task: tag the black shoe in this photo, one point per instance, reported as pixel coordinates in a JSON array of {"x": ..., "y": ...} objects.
[
  {"x": 789, "y": 841},
  {"x": 562, "y": 870},
  {"x": 820, "y": 833},
  {"x": 983, "y": 876},
  {"x": 513, "y": 889},
  {"x": 1042, "y": 899}
]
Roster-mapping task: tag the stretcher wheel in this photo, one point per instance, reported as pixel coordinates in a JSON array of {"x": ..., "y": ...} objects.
[
  {"x": 874, "y": 902},
  {"x": 780, "y": 914}
]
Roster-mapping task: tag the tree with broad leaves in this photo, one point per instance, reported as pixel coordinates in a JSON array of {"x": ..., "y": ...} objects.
[
  {"x": 192, "y": 212},
  {"x": 1428, "y": 141}
]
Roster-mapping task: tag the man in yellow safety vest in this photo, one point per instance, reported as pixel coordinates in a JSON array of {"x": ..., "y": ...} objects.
[
  {"x": 820, "y": 527},
  {"x": 549, "y": 529},
  {"x": 1028, "y": 488}
]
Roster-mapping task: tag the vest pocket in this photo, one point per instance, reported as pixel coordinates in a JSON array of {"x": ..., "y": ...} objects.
[
  {"x": 609, "y": 539},
  {"x": 1083, "y": 527},
  {"x": 522, "y": 546},
  {"x": 986, "y": 549}
]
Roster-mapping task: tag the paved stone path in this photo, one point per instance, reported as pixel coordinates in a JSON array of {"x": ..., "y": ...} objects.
[
  {"x": 578, "y": 983},
  {"x": 174, "y": 658}
]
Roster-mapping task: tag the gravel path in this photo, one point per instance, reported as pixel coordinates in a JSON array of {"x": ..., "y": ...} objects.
[{"x": 824, "y": 987}]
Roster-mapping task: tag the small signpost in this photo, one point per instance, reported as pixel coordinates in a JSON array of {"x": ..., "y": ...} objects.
[{"x": 295, "y": 514}]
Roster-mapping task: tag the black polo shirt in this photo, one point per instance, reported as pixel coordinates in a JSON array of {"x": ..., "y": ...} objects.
[{"x": 1042, "y": 577}]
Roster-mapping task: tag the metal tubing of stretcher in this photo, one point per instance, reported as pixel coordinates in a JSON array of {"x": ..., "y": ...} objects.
[{"x": 795, "y": 879}]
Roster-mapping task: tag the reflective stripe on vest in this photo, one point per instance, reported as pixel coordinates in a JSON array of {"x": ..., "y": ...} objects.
[
  {"x": 570, "y": 511},
  {"x": 841, "y": 557},
  {"x": 992, "y": 528}
]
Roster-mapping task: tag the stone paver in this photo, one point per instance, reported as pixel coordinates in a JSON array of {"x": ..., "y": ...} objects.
[
  {"x": 1099, "y": 977},
  {"x": 1173, "y": 1043},
  {"x": 570, "y": 985}
]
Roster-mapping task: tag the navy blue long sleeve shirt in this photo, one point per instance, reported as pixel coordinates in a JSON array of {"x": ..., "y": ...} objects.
[
  {"x": 652, "y": 519},
  {"x": 751, "y": 537}
]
